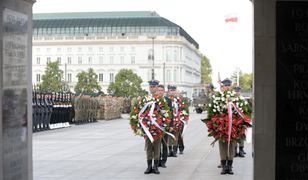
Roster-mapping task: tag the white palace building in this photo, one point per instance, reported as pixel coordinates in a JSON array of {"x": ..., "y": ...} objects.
[{"x": 110, "y": 41}]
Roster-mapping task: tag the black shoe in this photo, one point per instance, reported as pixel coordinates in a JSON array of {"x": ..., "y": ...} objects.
[
  {"x": 229, "y": 164},
  {"x": 236, "y": 155},
  {"x": 163, "y": 165},
  {"x": 219, "y": 166},
  {"x": 224, "y": 169},
  {"x": 155, "y": 168},
  {"x": 149, "y": 169},
  {"x": 181, "y": 152},
  {"x": 175, "y": 150},
  {"x": 241, "y": 152},
  {"x": 170, "y": 152}
]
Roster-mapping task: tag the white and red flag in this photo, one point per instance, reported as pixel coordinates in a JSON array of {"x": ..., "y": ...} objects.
[{"x": 231, "y": 18}]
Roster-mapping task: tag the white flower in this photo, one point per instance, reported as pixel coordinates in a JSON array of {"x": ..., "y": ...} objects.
[
  {"x": 236, "y": 99},
  {"x": 228, "y": 96},
  {"x": 237, "y": 104},
  {"x": 213, "y": 96},
  {"x": 242, "y": 98},
  {"x": 245, "y": 102},
  {"x": 134, "y": 117},
  {"x": 223, "y": 99},
  {"x": 217, "y": 98},
  {"x": 214, "y": 110},
  {"x": 210, "y": 105},
  {"x": 241, "y": 104}
]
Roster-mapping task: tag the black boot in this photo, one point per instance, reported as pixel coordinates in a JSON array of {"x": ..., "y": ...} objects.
[
  {"x": 149, "y": 169},
  {"x": 241, "y": 152},
  {"x": 170, "y": 151},
  {"x": 163, "y": 164},
  {"x": 155, "y": 169},
  {"x": 230, "y": 162},
  {"x": 224, "y": 167},
  {"x": 175, "y": 150}
]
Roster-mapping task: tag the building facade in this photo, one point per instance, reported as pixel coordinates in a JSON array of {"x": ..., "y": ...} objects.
[{"x": 110, "y": 41}]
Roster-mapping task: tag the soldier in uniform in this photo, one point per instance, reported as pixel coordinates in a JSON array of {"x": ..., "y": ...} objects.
[
  {"x": 164, "y": 143},
  {"x": 226, "y": 158},
  {"x": 152, "y": 149},
  {"x": 173, "y": 143},
  {"x": 241, "y": 152}
]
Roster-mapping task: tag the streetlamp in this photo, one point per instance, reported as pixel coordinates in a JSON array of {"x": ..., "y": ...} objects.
[{"x": 152, "y": 57}]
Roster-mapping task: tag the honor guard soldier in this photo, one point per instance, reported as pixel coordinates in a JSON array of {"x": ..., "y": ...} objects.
[
  {"x": 173, "y": 143},
  {"x": 241, "y": 152},
  {"x": 226, "y": 158},
  {"x": 152, "y": 149},
  {"x": 164, "y": 142}
]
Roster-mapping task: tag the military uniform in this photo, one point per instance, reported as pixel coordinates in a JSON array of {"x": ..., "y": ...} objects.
[
  {"x": 173, "y": 143},
  {"x": 226, "y": 159},
  {"x": 152, "y": 149},
  {"x": 240, "y": 143}
]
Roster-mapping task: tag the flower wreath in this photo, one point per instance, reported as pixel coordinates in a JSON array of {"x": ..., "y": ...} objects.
[
  {"x": 180, "y": 120},
  {"x": 147, "y": 121},
  {"x": 218, "y": 117}
]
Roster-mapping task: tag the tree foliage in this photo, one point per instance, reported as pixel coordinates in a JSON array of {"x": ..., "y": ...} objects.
[
  {"x": 52, "y": 79},
  {"x": 206, "y": 70},
  {"x": 87, "y": 82},
  {"x": 127, "y": 84},
  {"x": 245, "y": 80}
]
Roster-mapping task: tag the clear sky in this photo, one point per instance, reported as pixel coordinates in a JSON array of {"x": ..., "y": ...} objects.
[{"x": 227, "y": 45}]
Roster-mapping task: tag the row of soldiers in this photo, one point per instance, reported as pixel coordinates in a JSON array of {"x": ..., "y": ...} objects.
[
  {"x": 51, "y": 110},
  {"x": 167, "y": 146}
]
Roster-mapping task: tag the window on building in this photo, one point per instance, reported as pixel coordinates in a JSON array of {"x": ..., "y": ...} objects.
[
  {"x": 132, "y": 59},
  {"x": 168, "y": 76},
  {"x": 69, "y": 77},
  {"x": 79, "y": 60},
  {"x": 38, "y": 60},
  {"x": 150, "y": 55},
  {"x": 168, "y": 54},
  {"x": 133, "y": 48},
  {"x": 122, "y": 49},
  {"x": 111, "y": 77},
  {"x": 38, "y": 77},
  {"x": 122, "y": 59},
  {"x": 101, "y": 77},
  {"x": 69, "y": 60},
  {"x": 48, "y": 49},
  {"x": 90, "y": 60},
  {"x": 111, "y": 59},
  {"x": 38, "y": 50},
  {"x": 175, "y": 55},
  {"x": 79, "y": 49},
  {"x": 59, "y": 59},
  {"x": 48, "y": 59},
  {"x": 90, "y": 49},
  {"x": 101, "y": 49},
  {"x": 111, "y": 49},
  {"x": 101, "y": 59},
  {"x": 175, "y": 75},
  {"x": 69, "y": 49},
  {"x": 58, "y": 49}
]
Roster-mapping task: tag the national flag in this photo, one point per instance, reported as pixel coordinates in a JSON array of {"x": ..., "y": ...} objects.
[{"x": 231, "y": 18}]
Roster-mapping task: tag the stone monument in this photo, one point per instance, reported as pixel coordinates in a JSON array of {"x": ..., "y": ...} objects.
[{"x": 15, "y": 90}]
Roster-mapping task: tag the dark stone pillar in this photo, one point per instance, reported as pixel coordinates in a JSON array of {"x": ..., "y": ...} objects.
[{"x": 15, "y": 89}]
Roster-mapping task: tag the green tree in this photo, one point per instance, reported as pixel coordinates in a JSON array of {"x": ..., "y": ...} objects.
[
  {"x": 206, "y": 70},
  {"x": 52, "y": 79},
  {"x": 127, "y": 84},
  {"x": 245, "y": 80},
  {"x": 87, "y": 82}
]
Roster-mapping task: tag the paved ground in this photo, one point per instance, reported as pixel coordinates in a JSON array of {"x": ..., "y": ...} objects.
[{"x": 109, "y": 150}]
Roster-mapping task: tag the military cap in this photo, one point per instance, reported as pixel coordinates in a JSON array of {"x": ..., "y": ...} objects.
[
  {"x": 210, "y": 86},
  {"x": 226, "y": 82},
  {"x": 171, "y": 87},
  {"x": 153, "y": 82},
  {"x": 237, "y": 89}
]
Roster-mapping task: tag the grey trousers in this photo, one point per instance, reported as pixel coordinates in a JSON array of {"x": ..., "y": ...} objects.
[
  {"x": 223, "y": 150},
  {"x": 153, "y": 149}
]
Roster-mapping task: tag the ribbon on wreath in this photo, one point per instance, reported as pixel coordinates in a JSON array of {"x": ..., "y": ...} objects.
[
  {"x": 230, "y": 105},
  {"x": 153, "y": 121}
]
